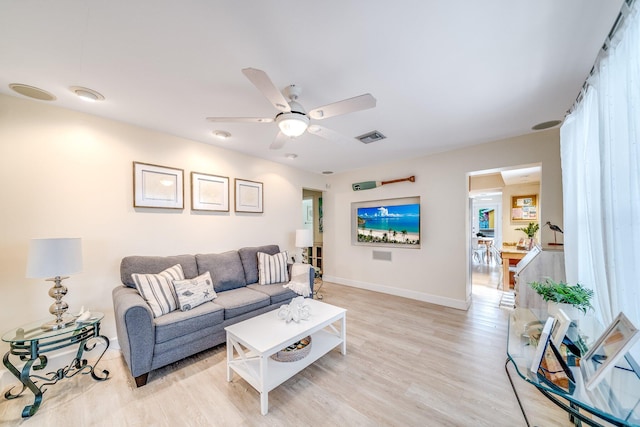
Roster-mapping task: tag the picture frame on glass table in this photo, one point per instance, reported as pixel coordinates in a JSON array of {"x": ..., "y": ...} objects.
[
  {"x": 608, "y": 349},
  {"x": 554, "y": 371},
  {"x": 156, "y": 186},
  {"x": 560, "y": 328},
  {"x": 542, "y": 344},
  {"x": 209, "y": 192}
]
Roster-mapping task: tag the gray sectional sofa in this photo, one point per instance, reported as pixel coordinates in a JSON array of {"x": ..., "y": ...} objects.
[{"x": 148, "y": 343}]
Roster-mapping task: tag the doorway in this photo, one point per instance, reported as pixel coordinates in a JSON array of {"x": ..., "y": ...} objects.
[
  {"x": 486, "y": 238},
  {"x": 490, "y": 224},
  {"x": 312, "y": 218}
]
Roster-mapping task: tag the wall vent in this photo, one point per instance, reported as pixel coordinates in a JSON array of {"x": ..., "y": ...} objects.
[
  {"x": 370, "y": 137},
  {"x": 382, "y": 256}
]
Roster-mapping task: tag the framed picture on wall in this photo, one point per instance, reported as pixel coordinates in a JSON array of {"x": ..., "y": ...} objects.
[
  {"x": 209, "y": 192},
  {"x": 248, "y": 196},
  {"x": 524, "y": 208},
  {"x": 157, "y": 186}
]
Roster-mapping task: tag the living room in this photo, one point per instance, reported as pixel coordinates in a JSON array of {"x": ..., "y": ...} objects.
[{"x": 71, "y": 176}]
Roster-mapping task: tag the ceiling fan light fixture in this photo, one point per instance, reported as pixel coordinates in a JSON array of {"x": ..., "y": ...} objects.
[{"x": 292, "y": 124}]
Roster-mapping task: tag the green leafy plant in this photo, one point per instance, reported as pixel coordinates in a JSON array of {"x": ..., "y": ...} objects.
[
  {"x": 563, "y": 293},
  {"x": 530, "y": 230}
]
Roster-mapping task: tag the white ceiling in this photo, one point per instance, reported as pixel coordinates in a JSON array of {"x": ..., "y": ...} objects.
[{"x": 446, "y": 74}]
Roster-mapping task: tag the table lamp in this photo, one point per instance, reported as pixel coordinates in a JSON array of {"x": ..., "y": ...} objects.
[
  {"x": 304, "y": 240},
  {"x": 53, "y": 259}
]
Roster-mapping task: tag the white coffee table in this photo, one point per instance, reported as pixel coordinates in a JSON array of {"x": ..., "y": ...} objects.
[{"x": 251, "y": 343}]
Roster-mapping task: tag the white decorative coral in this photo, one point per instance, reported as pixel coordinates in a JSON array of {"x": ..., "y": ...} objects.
[{"x": 297, "y": 310}]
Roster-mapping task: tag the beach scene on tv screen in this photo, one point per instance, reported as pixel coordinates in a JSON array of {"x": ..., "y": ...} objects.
[{"x": 394, "y": 224}]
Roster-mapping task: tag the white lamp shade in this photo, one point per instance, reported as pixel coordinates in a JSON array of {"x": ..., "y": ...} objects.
[
  {"x": 304, "y": 238},
  {"x": 54, "y": 257}
]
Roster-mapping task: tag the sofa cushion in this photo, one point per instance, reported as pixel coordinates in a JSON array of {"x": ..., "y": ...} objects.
[
  {"x": 157, "y": 289},
  {"x": 240, "y": 301},
  {"x": 180, "y": 323},
  {"x": 193, "y": 292},
  {"x": 225, "y": 269},
  {"x": 277, "y": 293},
  {"x": 272, "y": 268},
  {"x": 154, "y": 265},
  {"x": 249, "y": 258}
]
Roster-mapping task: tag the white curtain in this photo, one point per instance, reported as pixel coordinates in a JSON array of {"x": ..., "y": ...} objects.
[{"x": 600, "y": 149}]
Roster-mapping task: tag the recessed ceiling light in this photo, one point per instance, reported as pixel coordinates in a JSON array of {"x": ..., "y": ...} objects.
[
  {"x": 221, "y": 134},
  {"x": 327, "y": 172},
  {"x": 87, "y": 94},
  {"x": 291, "y": 156},
  {"x": 32, "y": 92},
  {"x": 546, "y": 125}
]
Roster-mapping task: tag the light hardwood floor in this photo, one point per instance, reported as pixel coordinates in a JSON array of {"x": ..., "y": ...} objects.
[{"x": 408, "y": 363}]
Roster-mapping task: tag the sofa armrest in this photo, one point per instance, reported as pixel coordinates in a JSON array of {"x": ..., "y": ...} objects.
[
  {"x": 312, "y": 276},
  {"x": 135, "y": 329}
]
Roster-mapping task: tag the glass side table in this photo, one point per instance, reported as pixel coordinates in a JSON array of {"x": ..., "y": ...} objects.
[
  {"x": 30, "y": 342},
  {"x": 615, "y": 400}
]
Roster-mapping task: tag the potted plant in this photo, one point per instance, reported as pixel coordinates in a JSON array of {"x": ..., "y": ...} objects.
[
  {"x": 530, "y": 230},
  {"x": 563, "y": 295}
]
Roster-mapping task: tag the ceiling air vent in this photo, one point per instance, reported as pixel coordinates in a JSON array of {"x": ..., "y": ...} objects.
[{"x": 370, "y": 137}]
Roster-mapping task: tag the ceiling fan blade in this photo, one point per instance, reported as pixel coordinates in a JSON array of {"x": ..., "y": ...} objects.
[
  {"x": 278, "y": 143},
  {"x": 345, "y": 106},
  {"x": 264, "y": 84},
  {"x": 240, "y": 119},
  {"x": 327, "y": 133}
]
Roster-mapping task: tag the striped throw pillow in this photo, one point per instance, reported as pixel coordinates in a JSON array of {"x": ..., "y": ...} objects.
[
  {"x": 157, "y": 289},
  {"x": 272, "y": 268},
  {"x": 193, "y": 292}
]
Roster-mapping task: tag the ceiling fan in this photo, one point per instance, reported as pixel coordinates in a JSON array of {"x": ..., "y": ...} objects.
[{"x": 292, "y": 119}]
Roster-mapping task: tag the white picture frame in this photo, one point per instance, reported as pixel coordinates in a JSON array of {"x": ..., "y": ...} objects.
[
  {"x": 157, "y": 186},
  {"x": 560, "y": 328},
  {"x": 248, "y": 196},
  {"x": 612, "y": 345},
  {"x": 209, "y": 192},
  {"x": 542, "y": 344}
]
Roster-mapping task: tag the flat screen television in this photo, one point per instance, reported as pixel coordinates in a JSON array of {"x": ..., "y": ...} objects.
[{"x": 394, "y": 222}]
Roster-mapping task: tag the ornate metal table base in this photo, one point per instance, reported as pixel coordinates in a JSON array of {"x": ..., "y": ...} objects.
[{"x": 31, "y": 351}]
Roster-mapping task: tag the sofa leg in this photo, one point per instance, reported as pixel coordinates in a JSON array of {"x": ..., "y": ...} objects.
[{"x": 141, "y": 379}]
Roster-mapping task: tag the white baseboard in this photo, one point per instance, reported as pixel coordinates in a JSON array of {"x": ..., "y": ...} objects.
[
  {"x": 55, "y": 361},
  {"x": 406, "y": 293}
]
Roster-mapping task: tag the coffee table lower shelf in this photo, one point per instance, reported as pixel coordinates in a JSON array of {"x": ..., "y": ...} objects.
[
  {"x": 278, "y": 372},
  {"x": 264, "y": 374}
]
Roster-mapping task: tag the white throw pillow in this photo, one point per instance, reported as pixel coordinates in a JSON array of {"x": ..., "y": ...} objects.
[
  {"x": 193, "y": 292},
  {"x": 272, "y": 268},
  {"x": 157, "y": 289}
]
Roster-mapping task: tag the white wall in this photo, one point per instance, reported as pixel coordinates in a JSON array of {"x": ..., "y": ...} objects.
[
  {"x": 437, "y": 272},
  {"x": 66, "y": 174}
]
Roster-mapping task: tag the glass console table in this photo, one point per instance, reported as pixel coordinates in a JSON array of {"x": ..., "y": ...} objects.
[
  {"x": 615, "y": 400},
  {"x": 30, "y": 342}
]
